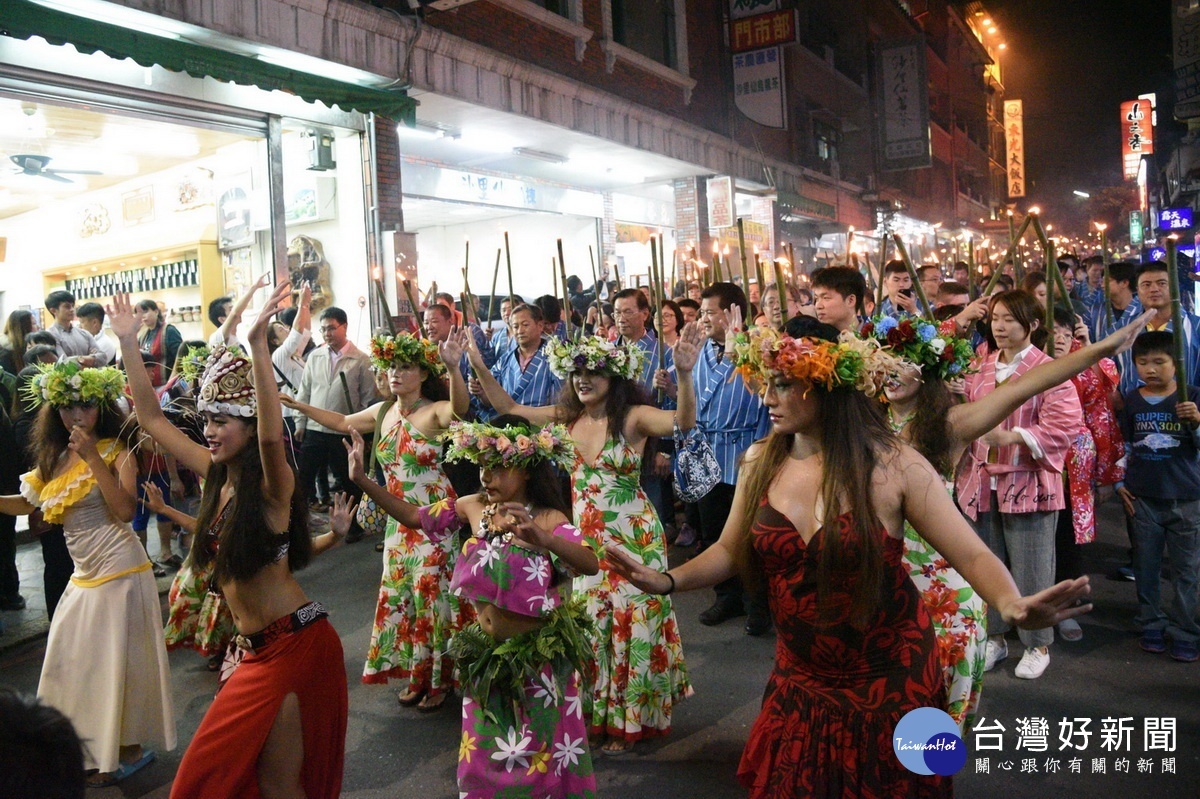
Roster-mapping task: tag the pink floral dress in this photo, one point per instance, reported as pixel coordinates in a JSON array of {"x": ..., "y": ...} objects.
[{"x": 1096, "y": 456}]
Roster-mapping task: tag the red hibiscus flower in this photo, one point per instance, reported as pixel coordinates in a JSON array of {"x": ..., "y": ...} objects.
[{"x": 658, "y": 659}]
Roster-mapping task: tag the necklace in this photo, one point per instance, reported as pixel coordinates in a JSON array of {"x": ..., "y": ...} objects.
[
  {"x": 406, "y": 411},
  {"x": 898, "y": 426},
  {"x": 488, "y": 528}
]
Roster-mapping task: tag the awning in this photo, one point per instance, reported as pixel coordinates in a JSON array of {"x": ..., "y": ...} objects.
[{"x": 23, "y": 19}]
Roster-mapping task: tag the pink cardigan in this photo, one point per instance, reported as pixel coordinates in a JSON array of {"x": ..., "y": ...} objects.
[{"x": 1024, "y": 484}]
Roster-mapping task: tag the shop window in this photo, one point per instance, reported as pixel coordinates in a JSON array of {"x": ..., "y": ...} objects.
[
  {"x": 825, "y": 142},
  {"x": 560, "y": 7}
]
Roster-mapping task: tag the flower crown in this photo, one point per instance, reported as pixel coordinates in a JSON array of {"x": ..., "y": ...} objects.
[
  {"x": 518, "y": 446},
  {"x": 387, "y": 351},
  {"x": 227, "y": 385},
  {"x": 936, "y": 350},
  {"x": 851, "y": 362},
  {"x": 67, "y": 383},
  {"x": 595, "y": 354}
]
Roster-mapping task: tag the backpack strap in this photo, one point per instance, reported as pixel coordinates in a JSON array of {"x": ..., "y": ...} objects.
[{"x": 383, "y": 409}]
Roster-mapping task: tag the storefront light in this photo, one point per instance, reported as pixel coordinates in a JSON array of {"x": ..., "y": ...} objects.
[
  {"x": 317, "y": 66},
  {"x": 129, "y": 18}
]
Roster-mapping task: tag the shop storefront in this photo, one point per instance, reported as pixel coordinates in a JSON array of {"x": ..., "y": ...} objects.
[{"x": 121, "y": 173}]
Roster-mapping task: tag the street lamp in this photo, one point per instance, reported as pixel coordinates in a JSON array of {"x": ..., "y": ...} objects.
[{"x": 1081, "y": 194}]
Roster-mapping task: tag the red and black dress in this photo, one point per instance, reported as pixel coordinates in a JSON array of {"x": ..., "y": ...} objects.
[{"x": 832, "y": 704}]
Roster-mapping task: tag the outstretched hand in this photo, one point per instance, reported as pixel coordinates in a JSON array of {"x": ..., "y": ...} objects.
[
  {"x": 121, "y": 317},
  {"x": 474, "y": 356},
  {"x": 451, "y": 350},
  {"x": 1049, "y": 607},
  {"x": 636, "y": 572},
  {"x": 354, "y": 457},
  {"x": 687, "y": 347},
  {"x": 1121, "y": 340},
  {"x": 514, "y": 517},
  {"x": 341, "y": 515},
  {"x": 275, "y": 304},
  {"x": 154, "y": 500}
]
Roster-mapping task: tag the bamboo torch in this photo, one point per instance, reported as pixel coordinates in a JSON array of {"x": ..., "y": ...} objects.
[
  {"x": 971, "y": 268},
  {"x": 1012, "y": 248},
  {"x": 781, "y": 290},
  {"x": 512, "y": 298},
  {"x": 883, "y": 248},
  {"x": 562, "y": 270},
  {"x": 596, "y": 287},
  {"x": 1181, "y": 375},
  {"x": 742, "y": 253},
  {"x": 492, "y": 298},
  {"x": 1104, "y": 261},
  {"x": 912, "y": 273},
  {"x": 412, "y": 301},
  {"x": 656, "y": 309}
]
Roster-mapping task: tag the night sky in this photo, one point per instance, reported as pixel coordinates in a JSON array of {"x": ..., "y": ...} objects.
[{"x": 1073, "y": 62}]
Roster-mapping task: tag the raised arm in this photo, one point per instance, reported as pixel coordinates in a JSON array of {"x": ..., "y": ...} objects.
[
  {"x": 928, "y": 506},
  {"x": 145, "y": 401},
  {"x": 278, "y": 478},
  {"x": 651, "y": 421},
  {"x": 363, "y": 421},
  {"x": 499, "y": 398},
  {"x": 970, "y": 420},
  {"x": 451, "y": 352},
  {"x": 156, "y": 503},
  {"x": 227, "y": 332},
  {"x": 404, "y": 512}
]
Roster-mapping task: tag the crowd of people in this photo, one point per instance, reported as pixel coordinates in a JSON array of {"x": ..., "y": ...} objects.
[{"x": 892, "y": 483}]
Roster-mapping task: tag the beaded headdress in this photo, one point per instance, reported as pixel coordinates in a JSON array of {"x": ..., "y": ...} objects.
[
  {"x": 517, "y": 446},
  {"x": 935, "y": 350},
  {"x": 595, "y": 354},
  {"x": 227, "y": 385},
  {"x": 67, "y": 383},
  {"x": 386, "y": 351},
  {"x": 850, "y": 363}
]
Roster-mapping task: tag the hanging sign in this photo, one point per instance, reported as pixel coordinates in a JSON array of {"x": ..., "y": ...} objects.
[
  {"x": 902, "y": 102},
  {"x": 1137, "y": 135},
  {"x": 1014, "y": 139},
  {"x": 720, "y": 202},
  {"x": 1185, "y": 37},
  {"x": 1135, "y": 228},
  {"x": 1175, "y": 218},
  {"x": 762, "y": 30},
  {"x": 758, "y": 82}
]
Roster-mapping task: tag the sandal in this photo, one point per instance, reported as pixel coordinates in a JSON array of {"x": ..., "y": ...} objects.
[
  {"x": 379, "y": 547},
  {"x": 410, "y": 698},
  {"x": 617, "y": 747},
  {"x": 125, "y": 770},
  {"x": 214, "y": 663},
  {"x": 433, "y": 702}
]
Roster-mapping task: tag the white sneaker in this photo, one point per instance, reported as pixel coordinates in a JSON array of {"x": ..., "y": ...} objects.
[
  {"x": 1033, "y": 663},
  {"x": 997, "y": 650}
]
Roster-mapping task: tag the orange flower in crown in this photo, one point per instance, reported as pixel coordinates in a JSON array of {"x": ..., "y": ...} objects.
[
  {"x": 850, "y": 363},
  {"x": 403, "y": 348}
]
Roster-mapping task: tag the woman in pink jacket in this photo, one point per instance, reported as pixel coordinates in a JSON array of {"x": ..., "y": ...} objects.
[{"x": 1010, "y": 483}]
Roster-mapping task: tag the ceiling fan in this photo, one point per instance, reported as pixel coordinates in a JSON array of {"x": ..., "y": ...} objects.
[{"x": 39, "y": 166}]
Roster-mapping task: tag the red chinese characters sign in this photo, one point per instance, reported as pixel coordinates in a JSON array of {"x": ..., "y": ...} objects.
[
  {"x": 762, "y": 30},
  {"x": 1137, "y": 134}
]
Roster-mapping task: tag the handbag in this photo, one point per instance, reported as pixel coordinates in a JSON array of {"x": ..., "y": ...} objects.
[
  {"x": 370, "y": 517},
  {"x": 697, "y": 470}
]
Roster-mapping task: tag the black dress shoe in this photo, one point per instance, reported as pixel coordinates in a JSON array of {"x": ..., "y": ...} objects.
[
  {"x": 721, "y": 612},
  {"x": 14, "y": 602},
  {"x": 758, "y": 625}
]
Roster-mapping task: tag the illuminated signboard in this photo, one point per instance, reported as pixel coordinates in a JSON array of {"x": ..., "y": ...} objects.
[
  {"x": 1175, "y": 218},
  {"x": 762, "y": 30},
  {"x": 1137, "y": 134},
  {"x": 1135, "y": 228},
  {"x": 1014, "y": 138}
]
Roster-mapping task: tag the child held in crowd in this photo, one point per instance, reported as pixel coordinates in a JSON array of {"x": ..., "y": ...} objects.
[{"x": 1161, "y": 493}]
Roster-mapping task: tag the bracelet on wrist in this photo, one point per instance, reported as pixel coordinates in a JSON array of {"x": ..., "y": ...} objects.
[{"x": 667, "y": 574}]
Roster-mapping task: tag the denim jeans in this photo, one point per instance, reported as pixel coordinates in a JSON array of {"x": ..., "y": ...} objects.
[
  {"x": 1025, "y": 541},
  {"x": 1174, "y": 524}
]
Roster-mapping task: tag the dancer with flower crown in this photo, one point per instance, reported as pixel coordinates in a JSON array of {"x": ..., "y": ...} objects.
[
  {"x": 640, "y": 672},
  {"x": 523, "y": 731},
  {"x": 279, "y": 720},
  {"x": 106, "y": 636},
  {"x": 922, "y": 411},
  {"x": 416, "y": 614},
  {"x": 818, "y": 515}
]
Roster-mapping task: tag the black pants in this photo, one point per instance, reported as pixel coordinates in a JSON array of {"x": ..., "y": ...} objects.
[
  {"x": 319, "y": 451},
  {"x": 1068, "y": 556},
  {"x": 58, "y": 566},
  {"x": 10, "y": 580},
  {"x": 708, "y": 519}
]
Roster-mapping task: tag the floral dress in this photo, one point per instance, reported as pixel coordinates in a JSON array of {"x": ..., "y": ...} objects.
[
  {"x": 959, "y": 617},
  {"x": 416, "y": 614},
  {"x": 1096, "y": 456},
  {"x": 198, "y": 618},
  {"x": 640, "y": 673}
]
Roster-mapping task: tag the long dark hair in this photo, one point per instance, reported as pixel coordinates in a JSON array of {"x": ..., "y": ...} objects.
[
  {"x": 20, "y": 323},
  {"x": 544, "y": 483},
  {"x": 51, "y": 436},
  {"x": 854, "y": 436},
  {"x": 928, "y": 431},
  {"x": 623, "y": 394},
  {"x": 246, "y": 543}
]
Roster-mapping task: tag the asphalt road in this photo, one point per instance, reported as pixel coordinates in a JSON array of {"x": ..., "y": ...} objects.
[{"x": 396, "y": 752}]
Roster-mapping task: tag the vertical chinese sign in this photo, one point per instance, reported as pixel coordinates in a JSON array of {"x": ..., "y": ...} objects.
[
  {"x": 720, "y": 202},
  {"x": 1137, "y": 135},
  {"x": 757, "y": 28},
  {"x": 1014, "y": 139},
  {"x": 902, "y": 103}
]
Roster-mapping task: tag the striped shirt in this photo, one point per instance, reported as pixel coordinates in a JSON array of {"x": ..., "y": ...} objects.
[
  {"x": 729, "y": 414},
  {"x": 1191, "y": 354},
  {"x": 1100, "y": 327},
  {"x": 534, "y": 385},
  {"x": 649, "y": 345}
]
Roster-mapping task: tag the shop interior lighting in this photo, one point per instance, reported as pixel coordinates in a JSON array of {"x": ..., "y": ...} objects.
[
  {"x": 315, "y": 66},
  {"x": 540, "y": 155}
]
